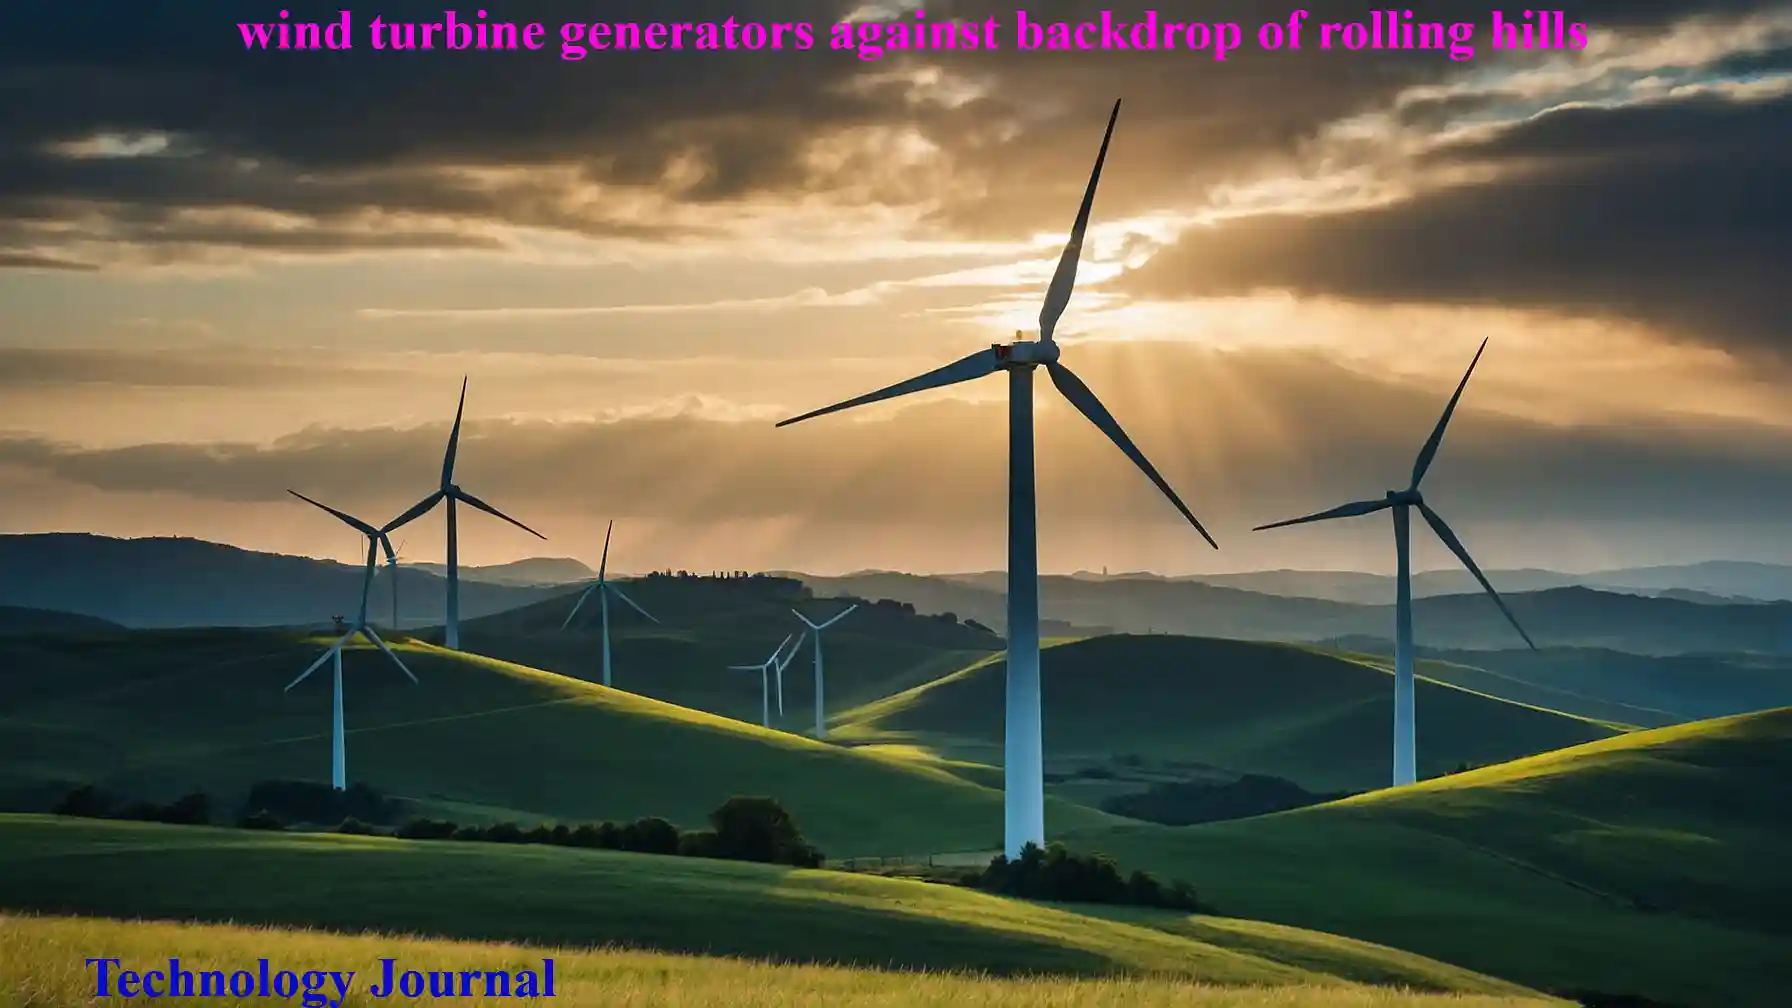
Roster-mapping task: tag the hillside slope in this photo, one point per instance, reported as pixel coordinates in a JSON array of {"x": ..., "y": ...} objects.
[
  {"x": 1649, "y": 863},
  {"x": 157, "y": 714},
  {"x": 564, "y": 896},
  {"x": 1318, "y": 719}
]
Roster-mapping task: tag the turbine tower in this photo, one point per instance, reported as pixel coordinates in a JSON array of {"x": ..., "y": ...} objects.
[
  {"x": 1401, "y": 502},
  {"x": 821, "y": 728},
  {"x": 449, "y": 493},
  {"x": 604, "y": 590},
  {"x": 392, "y": 558},
  {"x": 1024, "y": 756},
  {"x": 764, "y": 669},
  {"x": 376, "y": 539}
]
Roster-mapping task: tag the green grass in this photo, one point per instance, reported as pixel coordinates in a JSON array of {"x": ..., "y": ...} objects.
[
  {"x": 40, "y": 960},
  {"x": 1320, "y": 719},
  {"x": 561, "y": 896},
  {"x": 1649, "y": 863},
  {"x": 154, "y": 715}
]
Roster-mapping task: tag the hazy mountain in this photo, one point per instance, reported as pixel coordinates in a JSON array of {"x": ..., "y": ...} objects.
[
  {"x": 533, "y": 571},
  {"x": 164, "y": 582},
  {"x": 1556, "y": 617}
]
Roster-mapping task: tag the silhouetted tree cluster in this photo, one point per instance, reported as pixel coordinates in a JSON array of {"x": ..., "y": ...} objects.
[
  {"x": 1056, "y": 874},
  {"x": 1183, "y": 803},
  {"x": 261, "y": 819},
  {"x": 741, "y": 829},
  {"x": 297, "y": 801},
  {"x": 90, "y": 802}
]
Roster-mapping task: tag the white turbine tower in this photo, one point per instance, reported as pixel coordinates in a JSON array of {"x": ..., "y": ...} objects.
[
  {"x": 449, "y": 493},
  {"x": 376, "y": 538},
  {"x": 764, "y": 669},
  {"x": 604, "y": 590},
  {"x": 794, "y": 648},
  {"x": 1024, "y": 756},
  {"x": 821, "y": 728},
  {"x": 392, "y": 558},
  {"x": 1401, "y": 502}
]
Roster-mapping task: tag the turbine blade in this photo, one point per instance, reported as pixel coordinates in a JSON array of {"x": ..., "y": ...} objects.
[
  {"x": 391, "y": 554},
  {"x": 746, "y": 668},
  {"x": 805, "y": 620},
  {"x": 977, "y": 365},
  {"x": 417, "y": 511},
  {"x": 611, "y": 588},
  {"x": 494, "y": 512},
  {"x": 332, "y": 649},
  {"x": 604, "y": 564},
  {"x": 773, "y": 660},
  {"x": 1084, "y": 400},
  {"x": 1341, "y": 511},
  {"x": 838, "y": 617},
  {"x": 454, "y": 439},
  {"x": 1442, "y": 529},
  {"x": 355, "y": 523},
  {"x": 794, "y": 648},
  {"x": 375, "y": 638},
  {"x": 1429, "y": 452},
  {"x": 577, "y": 605},
  {"x": 1057, "y": 296}
]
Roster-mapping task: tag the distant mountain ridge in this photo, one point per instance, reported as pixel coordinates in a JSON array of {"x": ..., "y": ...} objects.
[{"x": 534, "y": 571}]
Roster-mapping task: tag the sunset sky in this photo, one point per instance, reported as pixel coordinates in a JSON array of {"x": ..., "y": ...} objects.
[{"x": 225, "y": 274}]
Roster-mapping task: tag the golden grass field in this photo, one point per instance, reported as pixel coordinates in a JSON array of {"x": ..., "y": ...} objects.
[{"x": 41, "y": 964}]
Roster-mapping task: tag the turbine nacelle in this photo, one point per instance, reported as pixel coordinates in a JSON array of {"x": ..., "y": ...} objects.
[
  {"x": 1025, "y": 353},
  {"x": 1409, "y": 497}
]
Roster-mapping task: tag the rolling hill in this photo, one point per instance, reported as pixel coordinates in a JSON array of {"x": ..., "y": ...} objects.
[
  {"x": 709, "y": 623},
  {"x": 154, "y": 714},
  {"x": 1318, "y": 719},
  {"x": 19, "y": 620},
  {"x": 1650, "y": 863},
  {"x": 584, "y": 898}
]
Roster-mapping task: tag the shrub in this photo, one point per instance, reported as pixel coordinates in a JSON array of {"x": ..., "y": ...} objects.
[
  {"x": 585, "y": 835},
  {"x": 355, "y": 827},
  {"x": 315, "y": 802},
  {"x": 85, "y": 800},
  {"x": 1054, "y": 873},
  {"x": 189, "y": 810},
  {"x": 759, "y": 829},
  {"x": 504, "y": 832},
  {"x": 652, "y": 835},
  {"x": 261, "y": 819},
  {"x": 426, "y": 829}
]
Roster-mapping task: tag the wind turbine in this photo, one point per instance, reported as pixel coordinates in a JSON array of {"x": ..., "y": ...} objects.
[
  {"x": 1024, "y": 756},
  {"x": 449, "y": 493},
  {"x": 794, "y": 648},
  {"x": 765, "y": 683},
  {"x": 821, "y": 728},
  {"x": 392, "y": 559},
  {"x": 376, "y": 538},
  {"x": 1401, "y": 502},
  {"x": 604, "y": 590}
]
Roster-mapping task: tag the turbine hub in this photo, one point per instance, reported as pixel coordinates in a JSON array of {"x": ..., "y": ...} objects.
[
  {"x": 1026, "y": 352},
  {"x": 1410, "y": 496}
]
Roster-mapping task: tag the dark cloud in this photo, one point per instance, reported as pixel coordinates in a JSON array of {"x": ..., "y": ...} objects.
[
  {"x": 1675, "y": 213},
  {"x": 352, "y": 147}
]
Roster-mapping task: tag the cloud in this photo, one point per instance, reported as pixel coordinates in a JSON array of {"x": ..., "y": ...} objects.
[{"x": 1672, "y": 211}]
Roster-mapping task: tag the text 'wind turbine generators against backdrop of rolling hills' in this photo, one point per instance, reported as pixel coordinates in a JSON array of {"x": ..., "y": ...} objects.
[
  {"x": 1023, "y": 765},
  {"x": 449, "y": 493},
  {"x": 376, "y": 539},
  {"x": 1402, "y": 502},
  {"x": 604, "y": 590}
]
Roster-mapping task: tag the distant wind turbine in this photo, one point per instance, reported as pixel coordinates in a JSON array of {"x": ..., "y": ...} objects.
[
  {"x": 765, "y": 682},
  {"x": 1401, "y": 502},
  {"x": 392, "y": 559},
  {"x": 821, "y": 728},
  {"x": 376, "y": 539},
  {"x": 794, "y": 648},
  {"x": 449, "y": 493},
  {"x": 604, "y": 589},
  {"x": 1023, "y": 763}
]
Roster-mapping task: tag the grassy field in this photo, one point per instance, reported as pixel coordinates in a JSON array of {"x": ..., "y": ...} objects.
[
  {"x": 570, "y": 897},
  {"x": 157, "y": 714},
  {"x": 40, "y": 961},
  {"x": 1316, "y": 718},
  {"x": 1649, "y": 863}
]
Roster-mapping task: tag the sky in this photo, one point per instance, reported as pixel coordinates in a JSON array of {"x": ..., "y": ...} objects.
[{"x": 227, "y": 274}]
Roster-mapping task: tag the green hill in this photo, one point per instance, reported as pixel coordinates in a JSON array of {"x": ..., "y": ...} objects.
[
  {"x": 583, "y": 898},
  {"x": 1322, "y": 720},
  {"x": 22, "y": 620},
  {"x": 710, "y": 623},
  {"x": 156, "y": 714},
  {"x": 1650, "y": 863}
]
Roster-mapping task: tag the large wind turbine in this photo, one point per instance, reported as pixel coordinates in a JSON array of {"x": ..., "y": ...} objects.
[
  {"x": 1401, "y": 502},
  {"x": 1024, "y": 756},
  {"x": 764, "y": 669},
  {"x": 604, "y": 590},
  {"x": 821, "y": 728},
  {"x": 449, "y": 493},
  {"x": 376, "y": 539}
]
